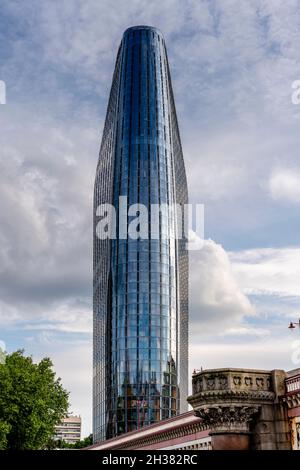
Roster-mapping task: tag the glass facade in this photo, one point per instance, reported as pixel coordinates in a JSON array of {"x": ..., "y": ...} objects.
[{"x": 140, "y": 285}]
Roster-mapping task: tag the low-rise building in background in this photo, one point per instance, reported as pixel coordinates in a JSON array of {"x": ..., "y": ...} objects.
[{"x": 69, "y": 430}]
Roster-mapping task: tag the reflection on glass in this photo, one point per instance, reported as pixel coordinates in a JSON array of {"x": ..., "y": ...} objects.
[{"x": 140, "y": 286}]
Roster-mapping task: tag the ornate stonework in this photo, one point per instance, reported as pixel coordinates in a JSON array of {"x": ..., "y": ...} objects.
[
  {"x": 228, "y": 400},
  {"x": 292, "y": 400},
  {"x": 184, "y": 431},
  {"x": 230, "y": 385},
  {"x": 292, "y": 397},
  {"x": 168, "y": 435},
  {"x": 231, "y": 379},
  {"x": 232, "y": 418},
  {"x": 244, "y": 408}
]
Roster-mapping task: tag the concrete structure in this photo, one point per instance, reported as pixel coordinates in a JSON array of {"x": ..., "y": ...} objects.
[
  {"x": 69, "y": 430},
  {"x": 233, "y": 409},
  {"x": 247, "y": 409}
]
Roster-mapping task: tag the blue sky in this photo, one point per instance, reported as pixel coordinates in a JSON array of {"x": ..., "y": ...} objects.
[{"x": 232, "y": 64}]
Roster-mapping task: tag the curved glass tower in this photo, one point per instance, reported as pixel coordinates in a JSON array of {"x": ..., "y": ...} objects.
[{"x": 140, "y": 285}]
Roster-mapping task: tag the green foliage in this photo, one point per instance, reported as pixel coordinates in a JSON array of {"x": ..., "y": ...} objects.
[
  {"x": 32, "y": 402},
  {"x": 87, "y": 441},
  {"x": 4, "y": 430}
]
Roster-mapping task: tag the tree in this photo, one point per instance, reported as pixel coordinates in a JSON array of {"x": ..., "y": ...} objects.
[
  {"x": 32, "y": 402},
  {"x": 87, "y": 441},
  {"x": 61, "y": 444}
]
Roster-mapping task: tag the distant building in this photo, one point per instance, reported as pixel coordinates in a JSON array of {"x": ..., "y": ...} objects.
[
  {"x": 233, "y": 409},
  {"x": 69, "y": 430}
]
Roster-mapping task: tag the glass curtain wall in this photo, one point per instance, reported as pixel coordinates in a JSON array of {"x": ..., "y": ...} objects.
[{"x": 140, "y": 285}]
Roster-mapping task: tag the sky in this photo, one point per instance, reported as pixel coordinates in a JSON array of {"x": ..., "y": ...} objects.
[{"x": 233, "y": 65}]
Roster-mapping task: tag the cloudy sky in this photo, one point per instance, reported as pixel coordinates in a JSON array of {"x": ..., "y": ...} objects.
[{"x": 233, "y": 64}]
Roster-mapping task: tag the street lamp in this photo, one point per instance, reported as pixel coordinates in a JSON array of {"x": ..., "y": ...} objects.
[{"x": 294, "y": 324}]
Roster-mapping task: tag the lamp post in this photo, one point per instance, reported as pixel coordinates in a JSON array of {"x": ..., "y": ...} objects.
[{"x": 294, "y": 324}]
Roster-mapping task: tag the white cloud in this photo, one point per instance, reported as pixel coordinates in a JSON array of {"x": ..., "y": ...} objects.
[
  {"x": 245, "y": 331},
  {"x": 71, "y": 317},
  {"x": 268, "y": 271},
  {"x": 284, "y": 185},
  {"x": 272, "y": 353},
  {"x": 46, "y": 188},
  {"x": 215, "y": 294}
]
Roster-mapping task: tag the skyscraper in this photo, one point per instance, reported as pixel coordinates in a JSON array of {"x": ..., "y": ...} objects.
[{"x": 140, "y": 285}]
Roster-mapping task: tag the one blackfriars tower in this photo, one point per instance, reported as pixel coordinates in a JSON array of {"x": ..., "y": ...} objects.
[{"x": 140, "y": 370}]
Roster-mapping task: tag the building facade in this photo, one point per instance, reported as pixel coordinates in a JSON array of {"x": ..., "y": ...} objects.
[
  {"x": 183, "y": 432},
  {"x": 248, "y": 409},
  {"x": 233, "y": 409},
  {"x": 69, "y": 430},
  {"x": 140, "y": 282},
  {"x": 292, "y": 400}
]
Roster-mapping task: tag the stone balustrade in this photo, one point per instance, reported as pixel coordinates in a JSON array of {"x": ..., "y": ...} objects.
[
  {"x": 293, "y": 384},
  {"x": 241, "y": 407},
  {"x": 231, "y": 384},
  {"x": 292, "y": 396}
]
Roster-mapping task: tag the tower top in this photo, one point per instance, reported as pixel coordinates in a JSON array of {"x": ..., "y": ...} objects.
[{"x": 142, "y": 27}]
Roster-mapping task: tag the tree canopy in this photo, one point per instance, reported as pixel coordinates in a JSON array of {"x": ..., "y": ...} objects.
[
  {"x": 32, "y": 402},
  {"x": 61, "y": 444}
]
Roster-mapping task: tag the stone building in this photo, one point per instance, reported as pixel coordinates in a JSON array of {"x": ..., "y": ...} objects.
[{"x": 248, "y": 409}]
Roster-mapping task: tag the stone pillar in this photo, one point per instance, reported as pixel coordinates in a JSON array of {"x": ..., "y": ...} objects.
[
  {"x": 230, "y": 441},
  {"x": 235, "y": 405},
  {"x": 229, "y": 425}
]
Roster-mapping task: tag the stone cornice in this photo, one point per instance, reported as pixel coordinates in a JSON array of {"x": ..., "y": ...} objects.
[
  {"x": 227, "y": 400},
  {"x": 232, "y": 379},
  {"x": 230, "y": 385},
  {"x": 292, "y": 399},
  {"x": 231, "y": 396},
  {"x": 163, "y": 436}
]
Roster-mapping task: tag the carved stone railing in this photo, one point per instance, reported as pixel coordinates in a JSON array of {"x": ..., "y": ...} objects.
[
  {"x": 231, "y": 384},
  {"x": 228, "y": 400},
  {"x": 292, "y": 396},
  {"x": 293, "y": 384}
]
